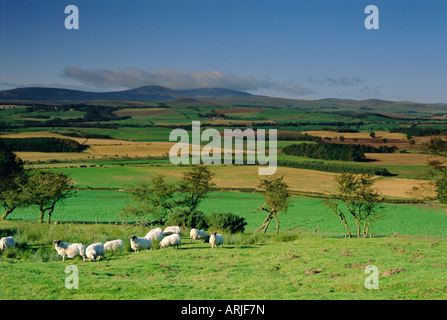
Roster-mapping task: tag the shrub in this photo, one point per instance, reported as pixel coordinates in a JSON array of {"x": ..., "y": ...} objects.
[
  {"x": 187, "y": 219},
  {"x": 226, "y": 222}
]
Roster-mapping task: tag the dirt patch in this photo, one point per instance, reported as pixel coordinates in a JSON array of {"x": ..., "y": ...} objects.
[
  {"x": 314, "y": 271},
  {"x": 336, "y": 275},
  {"x": 390, "y": 272}
]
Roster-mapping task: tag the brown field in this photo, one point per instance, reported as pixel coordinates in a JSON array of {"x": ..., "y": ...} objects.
[
  {"x": 227, "y": 176},
  {"x": 416, "y": 159}
]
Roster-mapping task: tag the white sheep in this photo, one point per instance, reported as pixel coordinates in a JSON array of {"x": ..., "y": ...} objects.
[
  {"x": 114, "y": 245},
  {"x": 172, "y": 230},
  {"x": 7, "y": 242},
  {"x": 137, "y": 243},
  {"x": 216, "y": 239},
  {"x": 196, "y": 234},
  {"x": 95, "y": 250},
  {"x": 155, "y": 235},
  {"x": 172, "y": 240},
  {"x": 69, "y": 250}
]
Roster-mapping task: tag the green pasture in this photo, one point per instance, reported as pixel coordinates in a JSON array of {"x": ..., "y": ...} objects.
[
  {"x": 305, "y": 214},
  {"x": 247, "y": 267}
]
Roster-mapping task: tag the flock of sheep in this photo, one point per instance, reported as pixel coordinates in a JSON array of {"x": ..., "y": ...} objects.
[{"x": 171, "y": 236}]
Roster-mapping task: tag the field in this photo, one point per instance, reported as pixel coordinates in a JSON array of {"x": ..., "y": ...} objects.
[
  {"x": 247, "y": 267},
  {"x": 310, "y": 258},
  {"x": 304, "y": 214}
]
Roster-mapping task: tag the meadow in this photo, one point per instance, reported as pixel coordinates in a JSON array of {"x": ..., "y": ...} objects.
[
  {"x": 304, "y": 215},
  {"x": 249, "y": 266}
]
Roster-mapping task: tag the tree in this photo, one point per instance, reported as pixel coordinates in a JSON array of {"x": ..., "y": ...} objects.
[
  {"x": 45, "y": 189},
  {"x": 372, "y": 134},
  {"x": 194, "y": 186},
  {"x": 154, "y": 201},
  {"x": 437, "y": 147},
  {"x": 12, "y": 178},
  {"x": 276, "y": 200},
  {"x": 158, "y": 201},
  {"x": 356, "y": 197}
]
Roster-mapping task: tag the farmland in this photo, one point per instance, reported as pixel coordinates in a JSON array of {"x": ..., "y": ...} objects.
[{"x": 129, "y": 144}]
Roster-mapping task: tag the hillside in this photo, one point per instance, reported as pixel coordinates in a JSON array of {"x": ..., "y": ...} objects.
[{"x": 146, "y": 93}]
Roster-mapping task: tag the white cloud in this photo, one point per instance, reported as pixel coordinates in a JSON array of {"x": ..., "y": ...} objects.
[{"x": 175, "y": 79}]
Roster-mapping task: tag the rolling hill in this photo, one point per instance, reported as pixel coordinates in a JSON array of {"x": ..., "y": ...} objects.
[{"x": 145, "y": 93}]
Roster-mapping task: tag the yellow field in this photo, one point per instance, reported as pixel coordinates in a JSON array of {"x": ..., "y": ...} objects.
[
  {"x": 416, "y": 159},
  {"x": 227, "y": 176}
]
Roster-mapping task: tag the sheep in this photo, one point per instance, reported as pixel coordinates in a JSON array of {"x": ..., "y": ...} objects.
[
  {"x": 198, "y": 234},
  {"x": 216, "y": 239},
  {"x": 155, "y": 235},
  {"x": 172, "y": 230},
  {"x": 69, "y": 250},
  {"x": 137, "y": 243},
  {"x": 95, "y": 250},
  {"x": 7, "y": 242},
  {"x": 172, "y": 240},
  {"x": 114, "y": 245}
]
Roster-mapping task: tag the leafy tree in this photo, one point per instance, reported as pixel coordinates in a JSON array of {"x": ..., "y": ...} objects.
[
  {"x": 194, "y": 186},
  {"x": 372, "y": 134},
  {"x": 437, "y": 147},
  {"x": 154, "y": 201},
  {"x": 45, "y": 189},
  {"x": 356, "y": 197},
  {"x": 158, "y": 201},
  {"x": 12, "y": 178},
  {"x": 276, "y": 200}
]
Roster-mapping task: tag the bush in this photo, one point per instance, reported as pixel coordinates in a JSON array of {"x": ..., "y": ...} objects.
[
  {"x": 187, "y": 219},
  {"x": 226, "y": 222}
]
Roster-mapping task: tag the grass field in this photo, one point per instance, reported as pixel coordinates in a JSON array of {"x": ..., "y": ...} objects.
[
  {"x": 248, "y": 267},
  {"x": 303, "y": 215}
]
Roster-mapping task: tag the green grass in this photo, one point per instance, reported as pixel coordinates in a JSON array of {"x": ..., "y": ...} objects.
[
  {"x": 303, "y": 215},
  {"x": 268, "y": 268}
]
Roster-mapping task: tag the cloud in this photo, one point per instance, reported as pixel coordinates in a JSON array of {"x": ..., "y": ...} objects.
[
  {"x": 176, "y": 79},
  {"x": 337, "y": 82}
]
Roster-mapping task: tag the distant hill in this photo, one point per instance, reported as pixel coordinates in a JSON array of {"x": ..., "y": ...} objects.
[{"x": 146, "y": 93}]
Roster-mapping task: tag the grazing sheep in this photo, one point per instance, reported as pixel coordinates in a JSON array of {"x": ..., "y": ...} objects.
[
  {"x": 69, "y": 250},
  {"x": 95, "y": 250},
  {"x": 137, "y": 243},
  {"x": 216, "y": 239},
  {"x": 172, "y": 240},
  {"x": 172, "y": 230},
  {"x": 7, "y": 242},
  {"x": 114, "y": 245},
  {"x": 196, "y": 234},
  {"x": 155, "y": 235}
]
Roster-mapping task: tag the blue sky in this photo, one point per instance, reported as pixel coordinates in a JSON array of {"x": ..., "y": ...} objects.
[{"x": 304, "y": 49}]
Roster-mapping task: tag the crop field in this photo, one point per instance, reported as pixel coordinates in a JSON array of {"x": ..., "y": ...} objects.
[{"x": 228, "y": 176}]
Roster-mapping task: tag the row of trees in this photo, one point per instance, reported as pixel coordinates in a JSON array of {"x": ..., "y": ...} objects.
[
  {"x": 43, "y": 144},
  {"x": 20, "y": 187}
]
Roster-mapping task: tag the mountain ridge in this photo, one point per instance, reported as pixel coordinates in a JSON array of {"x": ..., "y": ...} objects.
[{"x": 144, "y": 93}]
